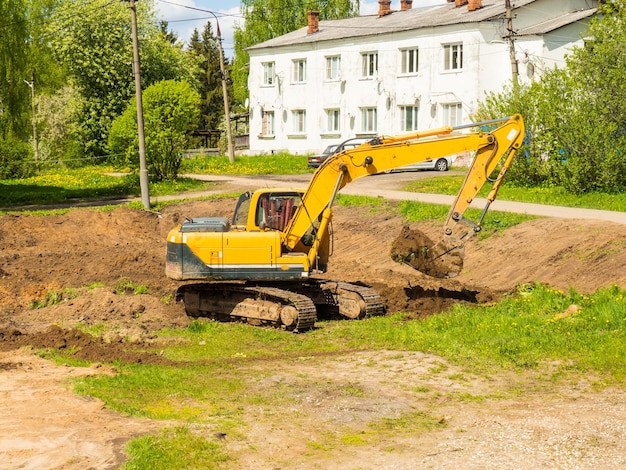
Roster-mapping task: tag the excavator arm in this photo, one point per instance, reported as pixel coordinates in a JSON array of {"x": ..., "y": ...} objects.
[{"x": 493, "y": 148}]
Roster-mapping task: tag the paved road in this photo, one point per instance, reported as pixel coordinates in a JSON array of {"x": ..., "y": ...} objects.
[{"x": 386, "y": 186}]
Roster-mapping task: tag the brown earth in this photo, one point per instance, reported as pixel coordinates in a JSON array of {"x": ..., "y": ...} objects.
[{"x": 85, "y": 254}]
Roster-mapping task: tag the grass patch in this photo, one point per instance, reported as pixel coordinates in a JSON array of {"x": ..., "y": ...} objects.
[
  {"x": 555, "y": 195},
  {"x": 281, "y": 163},
  {"x": 177, "y": 448},
  {"x": 54, "y": 297},
  {"x": 535, "y": 329},
  {"x": 493, "y": 222},
  {"x": 125, "y": 286},
  {"x": 90, "y": 182}
]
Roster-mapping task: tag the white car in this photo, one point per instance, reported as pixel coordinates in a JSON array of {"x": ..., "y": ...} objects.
[{"x": 438, "y": 164}]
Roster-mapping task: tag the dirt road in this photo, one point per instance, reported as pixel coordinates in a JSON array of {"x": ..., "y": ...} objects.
[{"x": 46, "y": 426}]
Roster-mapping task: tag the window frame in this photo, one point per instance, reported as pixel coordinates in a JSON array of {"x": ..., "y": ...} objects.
[
  {"x": 269, "y": 73},
  {"x": 268, "y": 123},
  {"x": 407, "y": 66},
  {"x": 453, "y": 57},
  {"x": 298, "y": 117},
  {"x": 333, "y": 120},
  {"x": 447, "y": 109},
  {"x": 369, "y": 64},
  {"x": 299, "y": 70},
  {"x": 414, "y": 110},
  {"x": 330, "y": 60},
  {"x": 369, "y": 119}
]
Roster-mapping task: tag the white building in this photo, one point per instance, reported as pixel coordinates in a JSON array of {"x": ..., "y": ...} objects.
[{"x": 400, "y": 71}]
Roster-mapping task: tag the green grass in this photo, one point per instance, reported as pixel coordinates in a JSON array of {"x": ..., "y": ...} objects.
[
  {"x": 493, "y": 222},
  {"x": 221, "y": 364},
  {"x": 275, "y": 164},
  {"x": 177, "y": 448},
  {"x": 92, "y": 182},
  {"x": 550, "y": 195}
]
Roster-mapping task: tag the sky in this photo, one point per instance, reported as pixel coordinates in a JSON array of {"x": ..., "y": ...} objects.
[{"x": 183, "y": 16}]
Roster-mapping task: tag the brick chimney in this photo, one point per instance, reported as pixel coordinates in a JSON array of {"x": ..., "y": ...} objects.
[
  {"x": 314, "y": 22},
  {"x": 459, "y": 3},
  {"x": 384, "y": 7},
  {"x": 406, "y": 5},
  {"x": 474, "y": 5}
]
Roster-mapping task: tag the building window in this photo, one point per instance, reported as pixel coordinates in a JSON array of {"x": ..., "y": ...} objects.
[
  {"x": 370, "y": 64},
  {"x": 267, "y": 123},
  {"x": 409, "y": 60},
  {"x": 299, "y": 71},
  {"x": 332, "y": 120},
  {"x": 368, "y": 120},
  {"x": 453, "y": 56},
  {"x": 268, "y": 73},
  {"x": 452, "y": 114},
  {"x": 408, "y": 115},
  {"x": 333, "y": 67},
  {"x": 299, "y": 121}
]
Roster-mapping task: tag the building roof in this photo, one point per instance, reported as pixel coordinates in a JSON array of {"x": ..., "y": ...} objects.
[
  {"x": 556, "y": 23},
  {"x": 407, "y": 20}
]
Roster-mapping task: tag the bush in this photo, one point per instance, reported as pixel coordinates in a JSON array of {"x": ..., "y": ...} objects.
[
  {"x": 170, "y": 113},
  {"x": 15, "y": 159}
]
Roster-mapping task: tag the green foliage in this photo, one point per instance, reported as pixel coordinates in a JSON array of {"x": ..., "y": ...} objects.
[
  {"x": 63, "y": 185},
  {"x": 54, "y": 297},
  {"x": 281, "y": 163},
  {"x": 545, "y": 194},
  {"x": 493, "y": 222},
  {"x": 266, "y": 19},
  {"x": 125, "y": 286},
  {"x": 14, "y": 94},
  {"x": 97, "y": 52},
  {"x": 58, "y": 114},
  {"x": 576, "y": 116},
  {"x": 206, "y": 52},
  {"x": 15, "y": 159},
  {"x": 170, "y": 112},
  {"x": 178, "y": 448}
]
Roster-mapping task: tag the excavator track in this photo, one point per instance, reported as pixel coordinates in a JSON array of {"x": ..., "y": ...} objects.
[
  {"x": 257, "y": 305},
  {"x": 344, "y": 299}
]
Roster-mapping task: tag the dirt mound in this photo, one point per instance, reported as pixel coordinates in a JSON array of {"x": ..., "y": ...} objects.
[
  {"x": 441, "y": 260},
  {"x": 82, "y": 256},
  {"x": 40, "y": 255},
  {"x": 80, "y": 345}
]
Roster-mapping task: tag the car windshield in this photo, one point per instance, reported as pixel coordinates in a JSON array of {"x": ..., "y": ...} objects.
[{"x": 330, "y": 149}]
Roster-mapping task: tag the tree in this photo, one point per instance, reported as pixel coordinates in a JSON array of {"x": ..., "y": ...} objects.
[
  {"x": 14, "y": 94},
  {"x": 170, "y": 113},
  {"x": 575, "y": 116},
  {"x": 267, "y": 19},
  {"x": 97, "y": 51},
  {"x": 208, "y": 77}
]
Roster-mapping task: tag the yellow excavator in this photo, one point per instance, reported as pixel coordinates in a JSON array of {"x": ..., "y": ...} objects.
[{"x": 260, "y": 266}]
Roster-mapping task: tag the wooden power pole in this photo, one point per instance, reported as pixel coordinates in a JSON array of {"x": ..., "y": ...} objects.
[
  {"x": 509, "y": 27},
  {"x": 144, "y": 183}
]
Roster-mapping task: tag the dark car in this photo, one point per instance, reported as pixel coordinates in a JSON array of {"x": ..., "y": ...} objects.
[{"x": 316, "y": 160}]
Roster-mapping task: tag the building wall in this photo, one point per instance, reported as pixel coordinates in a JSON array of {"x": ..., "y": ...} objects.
[{"x": 486, "y": 68}]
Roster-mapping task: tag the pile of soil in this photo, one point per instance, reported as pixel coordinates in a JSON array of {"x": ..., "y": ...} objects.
[{"x": 83, "y": 256}]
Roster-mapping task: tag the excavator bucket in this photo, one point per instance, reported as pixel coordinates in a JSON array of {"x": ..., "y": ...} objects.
[{"x": 442, "y": 260}]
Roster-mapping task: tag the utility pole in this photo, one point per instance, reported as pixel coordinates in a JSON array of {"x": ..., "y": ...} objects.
[
  {"x": 229, "y": 137},
  {"x": 31, "y": 84},
  {"x": 144, "y": 183},
  {"x": 509, "y": 27}
]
